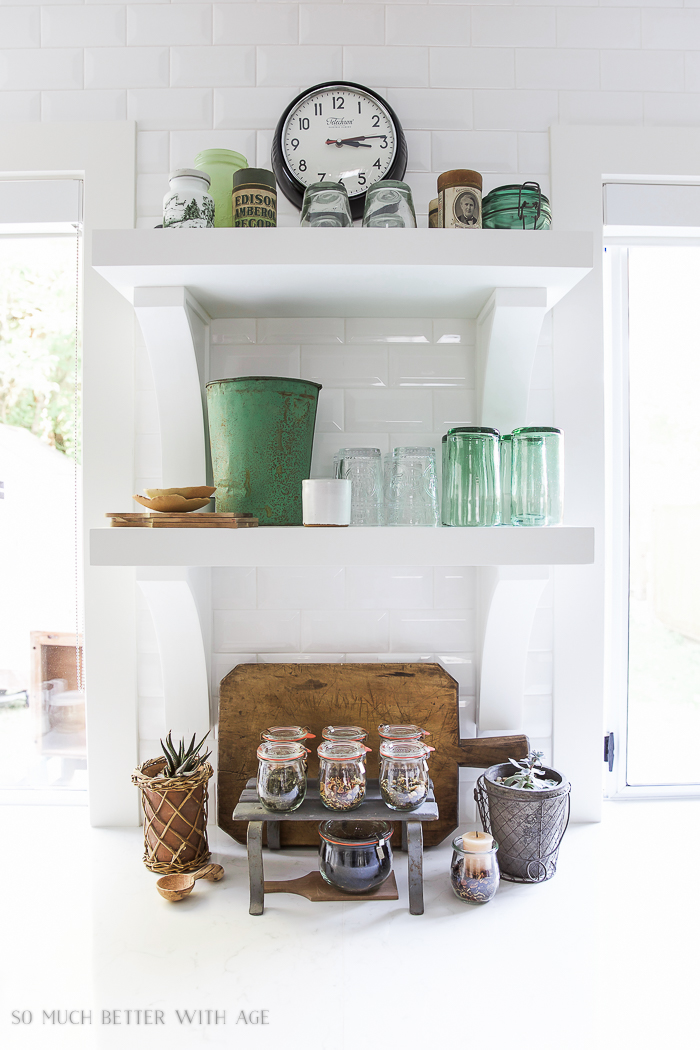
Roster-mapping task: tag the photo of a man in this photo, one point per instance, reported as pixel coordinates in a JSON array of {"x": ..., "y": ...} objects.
[{"x": 466, "y": 209}]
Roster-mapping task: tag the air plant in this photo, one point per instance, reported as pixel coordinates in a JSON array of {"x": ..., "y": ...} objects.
[
  {"x": 183, "y": 760},
  {"x": 526, "y": 771}
]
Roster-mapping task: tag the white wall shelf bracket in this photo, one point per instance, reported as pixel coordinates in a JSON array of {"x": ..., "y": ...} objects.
[
  {"x": 174, "y": 328},
  {"x": 507, "y": 332},
  {"x": 508, "y": 597}
]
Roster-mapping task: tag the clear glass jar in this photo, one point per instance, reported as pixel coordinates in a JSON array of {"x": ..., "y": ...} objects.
[
  {"x": 344, "y": 734},
  {"x": 537, "y": 476},
  {"x": 517, "y": 207},
  {"x": 188, "y": 203},
  {"x": 506, "y": 466},
  {"x": 281, "y": 776},
  {"x": 474, "y": 875},
  {"x": 342, "y": 779},
  {"x": 220, "y": 165},
  {"x": 355, "y": 855},
  {"x": 474, "y": 484},
  {"x": 403, "y": 733},
  {"x": 389, "y": 204},
  {"x": 404, "y": 780},
  {"x": 287, "y": 734},
  {"x": 326, "y": 204}
]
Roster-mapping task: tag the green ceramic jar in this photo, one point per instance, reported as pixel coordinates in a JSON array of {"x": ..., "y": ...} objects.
[
  {"x": 220, "y": 165},
  {"x": 518, "y": 207}
]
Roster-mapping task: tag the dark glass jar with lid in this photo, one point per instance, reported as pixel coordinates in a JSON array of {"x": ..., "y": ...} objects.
[
  {"x": 517, "y": 207},
  {"x": 355, "y": 855}
]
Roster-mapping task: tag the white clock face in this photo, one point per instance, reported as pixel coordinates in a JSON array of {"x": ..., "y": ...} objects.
[{"x": 342, "y": 135}]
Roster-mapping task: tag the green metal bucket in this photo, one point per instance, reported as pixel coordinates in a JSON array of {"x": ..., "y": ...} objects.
[{"x": 261, "y": 430}]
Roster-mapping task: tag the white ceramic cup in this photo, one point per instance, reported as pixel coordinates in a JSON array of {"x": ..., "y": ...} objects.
[{"x": 326, "y": 501}]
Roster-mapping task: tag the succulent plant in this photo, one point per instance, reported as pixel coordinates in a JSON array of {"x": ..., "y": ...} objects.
[
  {"x": 527, "y": 770},
  {"x": 182, "y": 760}
]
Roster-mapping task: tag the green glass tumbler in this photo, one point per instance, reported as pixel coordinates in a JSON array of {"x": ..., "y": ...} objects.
[
  {"x": 537, "y": 476},
  {"x": 506, "y": 457},
  {"x": 474, "y": 488},
  {"x": 445, "y": 497},
  {"x": 220, "y": 164}
]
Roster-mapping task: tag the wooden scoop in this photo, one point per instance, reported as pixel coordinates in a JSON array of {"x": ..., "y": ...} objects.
[{"x": 177, "y": 887}]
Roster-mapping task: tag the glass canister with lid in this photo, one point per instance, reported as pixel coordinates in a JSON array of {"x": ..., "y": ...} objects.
[
  {"x": 342, "y": 778},
  {"x": 287, "y": 734},
  {"x": 517, "y": 207},
  {"x": 281, "y": 775},
  {"x": 404, "y": 780},
  {"x": 393, "y": 732},
  {"x": 355, "y": 855},
  {"x": 345, "y": 733},
  {"x": 220, "y": 165}
]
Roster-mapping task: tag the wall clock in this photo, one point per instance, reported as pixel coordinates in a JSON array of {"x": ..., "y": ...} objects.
[{"x": 338, "y": 132}]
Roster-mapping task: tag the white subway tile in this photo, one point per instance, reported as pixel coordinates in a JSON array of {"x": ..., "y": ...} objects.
[
  {"x": 435, "y": 366},
  {"x": 435, "y": 24},
  {"x": 292, "y": 65},
  {"x": 83, "y": 26},
  {"x": 301, "y": 658},
  {"x": 227, "y": 362},
  {"x": 256, "y": 630},
  {"x": 222, "y": 663},
  {"x": 20, "y": 106},
  {"x": 232, "y": 330},
  {"x": 598, "y": 27},
  {"x": 455, "y": 330},
  {"x": 150, "y": 190},
  {"x": 483, "y": 151},
  {"x": 675, "y": 110},
  {"x": 539, "y": 673},
  {"x": 330, "y": 415},
  {"x": 185, "y": 145},
  {"x": 149, "y": 676},
  {"x": 233, "y": 588},
  {"x": 386, "y": 66},
  {"x": 472, "y": 67},
  {"x": 692, "y": 70},
  {"x": 641, "y": 71},
  {"x": 21, "y": 26},
  {"x": 537, "y": 716},
  {"x": 41, "y": 69},
  {"x": 558, "y": 68},
  {"x": 462, "y": 667},
  {"x": 389, "y": 587},
  {"x": 165, "y": 108},
  {"x": 348, "y": 630},
  {"x": 520, "y": 27},
  {"x": 533, "y": 150},
  {"x": 515, "y": 110},
  {"x": 341, "y": 366},
  {"x": 259, "y": 107},
  {"x": 387, "y": 330},
  {"x": 212, "y": 66},
  {"x": 671, "y": 29},
  {"x": 600, "y": 107},
  {"x": 419, "y": 629},
  {"x": 127, "y": 67},
  {"x": 169, "y": 24},
  {"x": 301, "y": 330},
  {"x": 388, "y": 410},
  {"x": 455, "y": 587},
  {"x": 341, "y": 24},
  {"x": 263, "y": 150},
  {"x": 302, "y": 587},
  {"x": 256, "y": 23},
  {"x": 418, "y": 143},
  {"x": 648, "y": 3},
  {"x": 432, "y": 107},
  {"x": 541, "y": 378},
  {"x": 399, "y": 439},
  {"x": 83, "y": 105},
  {"x": 454, "y": 408},
  {"x": 326, "y": 446}
]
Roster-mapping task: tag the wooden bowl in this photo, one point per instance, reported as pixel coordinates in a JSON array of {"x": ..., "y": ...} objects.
[
  {"x": 193, "y": 492},
  {"x": 173, "y": 504}
]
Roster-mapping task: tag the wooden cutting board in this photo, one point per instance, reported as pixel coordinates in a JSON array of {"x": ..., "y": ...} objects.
[
  {"x": 191, "y": 520},
  {"x": 256, "y": 696}
]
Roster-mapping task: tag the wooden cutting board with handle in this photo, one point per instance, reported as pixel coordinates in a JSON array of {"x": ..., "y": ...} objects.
[{"x": 254, "y": 697}]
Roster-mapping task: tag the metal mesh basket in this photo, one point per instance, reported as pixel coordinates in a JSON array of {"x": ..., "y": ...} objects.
[{"x": 527, "y": 825}]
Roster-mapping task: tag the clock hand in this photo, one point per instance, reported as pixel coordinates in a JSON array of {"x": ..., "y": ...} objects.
[{"x": 345, "y": 142}]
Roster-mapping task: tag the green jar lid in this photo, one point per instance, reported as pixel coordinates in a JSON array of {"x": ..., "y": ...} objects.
[
  {"x": 488, "y": 431},
  {"x": 254, "y": 177}
]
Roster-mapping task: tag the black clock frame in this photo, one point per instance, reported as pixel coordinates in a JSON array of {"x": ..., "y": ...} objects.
[{"x": 290, "y": 185}]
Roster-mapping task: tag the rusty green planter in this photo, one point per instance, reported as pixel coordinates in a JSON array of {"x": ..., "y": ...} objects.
[{"x": 262, "y": 430}]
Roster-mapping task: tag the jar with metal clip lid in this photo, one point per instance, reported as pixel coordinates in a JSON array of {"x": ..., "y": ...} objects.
[
  {"x": 287, "y": 734},
  {"x": 281, "y": 776},
  {"x": 517, "y": 207},
  {"x": 459, "y": 199},
  {"x": 342, "y": 778},
  {"x": 391, "y": 732},
  {"x": 404, "y": 780},
  {"x": 345, "y": 733}
]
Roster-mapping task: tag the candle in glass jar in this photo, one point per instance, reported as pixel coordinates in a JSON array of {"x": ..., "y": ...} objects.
[{"x": 477, "y": 841}]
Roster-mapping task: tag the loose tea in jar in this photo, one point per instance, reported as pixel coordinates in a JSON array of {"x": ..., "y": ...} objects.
[
  {"x": 474, "y": 871},
  {"x": 281, "y": 776},
  {"x": 404, "y": 780},
  {"x": 342, "y": 780},
  {"x": 355, "y": 855}
]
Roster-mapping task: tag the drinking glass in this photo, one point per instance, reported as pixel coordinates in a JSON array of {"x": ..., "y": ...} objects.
[
  {"x": 410, "y": 486},
  {"x": 474, "y": 481},
  {"x": 445, "y": 482},
  {"x": 537, "y": 476},
  {"x": 326, "y": 204},
  {"x": 389, "y": 203},
  {"x": 363, "y": 466},
  {"x": 506, "y": 454}
]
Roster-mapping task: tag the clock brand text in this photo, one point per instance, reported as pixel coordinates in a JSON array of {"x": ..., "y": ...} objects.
[{"x": 338, "y": 122}]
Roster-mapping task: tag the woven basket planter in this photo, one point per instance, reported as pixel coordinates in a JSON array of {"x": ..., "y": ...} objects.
[
  {"x": 527, "y": 825},
  {"x": 175, "y": 817}
]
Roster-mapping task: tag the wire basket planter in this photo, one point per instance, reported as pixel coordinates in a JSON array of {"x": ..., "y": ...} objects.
[
  {"x": 528, "y": 825},
  {"x": 175, "y": 811}
]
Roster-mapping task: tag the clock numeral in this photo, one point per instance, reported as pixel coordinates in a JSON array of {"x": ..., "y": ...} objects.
[
  {"x": 321, "y": 175},
  {"x": 295, "y": 143},
  {"x": 302, "y": 165},
  {"x": 384, "y": 144},
  {"x": 304, "y": 123},
  {"x": 318, "y": 109},
  {"x": 359, "y": 107},
  {"x": 375, "y": 121},
  {"x": 340, "y": 102},
  {"x": 362, "y": 178},
  {"x": 377, "y": 163}
]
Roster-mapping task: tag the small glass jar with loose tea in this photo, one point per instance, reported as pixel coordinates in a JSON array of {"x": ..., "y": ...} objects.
[
  {"x": 342, "y": 779},
  {"x": 404, "y": 780},
  {"x": 474, "y": 871},
  {"x": 389, "y": 732},
  {"x": 281, "y": 775},
  {"x": 345, "y": 733}
]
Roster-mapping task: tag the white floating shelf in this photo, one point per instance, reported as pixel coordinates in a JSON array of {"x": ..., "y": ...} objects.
[
  {"x": 294, "y": 272},
  {"x": 269, "y": 546}
]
